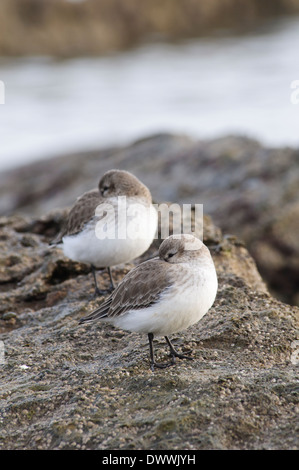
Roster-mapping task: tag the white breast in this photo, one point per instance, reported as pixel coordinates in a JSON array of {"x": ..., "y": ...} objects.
[
  {"x": 113, "y": 239},
  {"x": 180, "y": 306}
]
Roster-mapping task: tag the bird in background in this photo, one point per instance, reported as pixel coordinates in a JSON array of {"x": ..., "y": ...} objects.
[{"x": 110, "y": 225}]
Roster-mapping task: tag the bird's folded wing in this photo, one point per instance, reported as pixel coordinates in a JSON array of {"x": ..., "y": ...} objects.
[
  {"x": 100, "y": 312},
  {"x": 141, "y": 288},
  {"x": 82, "y": 211}
]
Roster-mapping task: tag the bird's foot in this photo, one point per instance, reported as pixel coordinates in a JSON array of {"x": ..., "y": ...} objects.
[
  {"x": 175, "y": 354},
  {"x": 161, "y": 365}
]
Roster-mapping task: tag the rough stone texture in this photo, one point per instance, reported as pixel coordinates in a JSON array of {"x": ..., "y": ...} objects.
[
  {"x": 65, "y": 386},
  {"x": 249, "y": 190}
]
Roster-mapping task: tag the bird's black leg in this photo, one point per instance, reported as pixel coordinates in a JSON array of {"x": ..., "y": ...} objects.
[
  {"x": 174, "y": 353},
  {"x": 150, "y": 340},
  {"x": 112, "y": 286},
  {"x": 97, "y": 291},
  {"x": 153, "y": 363}
]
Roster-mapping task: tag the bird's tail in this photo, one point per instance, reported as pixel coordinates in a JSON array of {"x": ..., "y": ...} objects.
[
  {"x": 56, "y": 241},
  {"x": 97, "y": 314}
]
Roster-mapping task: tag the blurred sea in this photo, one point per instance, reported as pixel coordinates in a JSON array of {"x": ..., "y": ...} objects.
[{"x": 203, "y": 87}]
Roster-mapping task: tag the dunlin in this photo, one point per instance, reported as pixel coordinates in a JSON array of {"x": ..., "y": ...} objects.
[
  {"x": 163, "y": 295},
  {"x": 111, "y": 225}
]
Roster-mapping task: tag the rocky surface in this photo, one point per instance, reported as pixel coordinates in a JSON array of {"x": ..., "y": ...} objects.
[
  {"x": 65, "y": 386},
  {"x": 249, "y": 190}
]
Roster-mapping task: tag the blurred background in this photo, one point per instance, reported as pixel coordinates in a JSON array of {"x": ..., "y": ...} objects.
[
  {"x": 82, "y": 76},
  {"x": 84, "y": 73}
]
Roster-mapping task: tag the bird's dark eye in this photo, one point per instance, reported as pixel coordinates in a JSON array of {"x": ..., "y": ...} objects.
[
  {"x": 170, "y": 255},
  {"x": 104, "y": 189}
]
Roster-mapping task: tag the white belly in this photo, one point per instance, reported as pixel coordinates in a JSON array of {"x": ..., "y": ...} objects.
[
  {"x": 90, "y": 247},
  {"x": 177, "y": 310}
]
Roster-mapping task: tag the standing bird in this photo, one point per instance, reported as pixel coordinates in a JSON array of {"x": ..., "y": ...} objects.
[
  {"x": 110, "y": 225},
  {"x": 163, "y": 295}
]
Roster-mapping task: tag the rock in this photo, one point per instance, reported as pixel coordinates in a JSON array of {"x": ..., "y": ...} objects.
[
  {"x": 66, "y": 386},
  {"x": 250, "y": 191},
  {"x": 43, "y": 28}
]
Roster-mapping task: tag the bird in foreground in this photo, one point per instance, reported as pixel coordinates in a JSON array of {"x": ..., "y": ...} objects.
[
  {"x": 110, "y": 225},
  {"x": 163, "y": 295}
]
